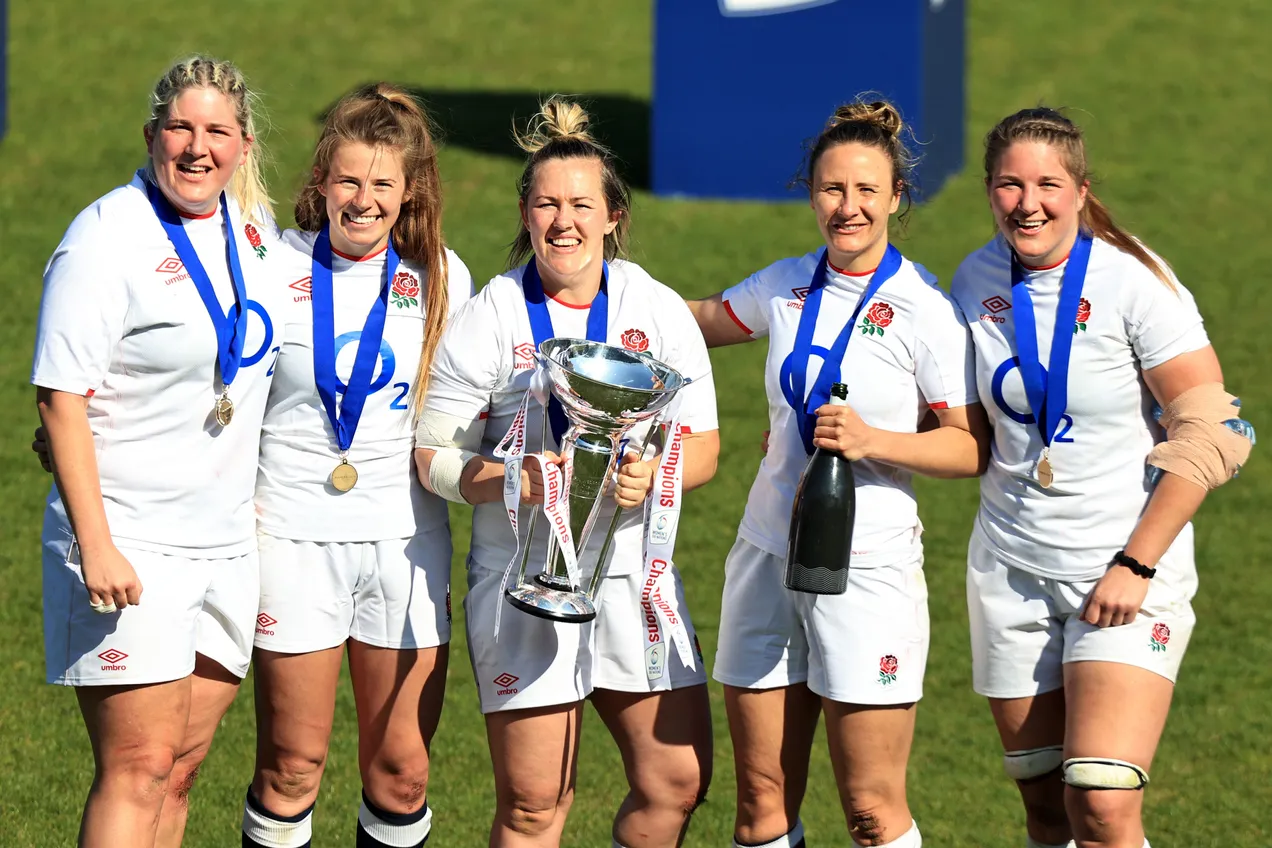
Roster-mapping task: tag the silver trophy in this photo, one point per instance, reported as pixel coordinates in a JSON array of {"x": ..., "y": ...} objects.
[{"x": 605, "y": 391}]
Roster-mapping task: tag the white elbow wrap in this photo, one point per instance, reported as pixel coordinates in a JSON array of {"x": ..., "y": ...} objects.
[
  {"x": 454, "y": 441},
  {"x": 445, "y": 472},
  {"x": 1206, "y": 441}
]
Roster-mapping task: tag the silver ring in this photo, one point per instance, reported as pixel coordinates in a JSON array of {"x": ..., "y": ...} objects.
[{"x": 104, "y": 608}]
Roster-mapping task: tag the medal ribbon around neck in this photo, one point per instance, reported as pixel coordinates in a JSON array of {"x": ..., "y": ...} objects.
[
  {"x": 1048, "y": 390},
  {"x": 541, "y": 327},
  {"x": 345, "y": 421},
  {"x": 794, "y": 373},
  {"x": 231, "y": 326}
]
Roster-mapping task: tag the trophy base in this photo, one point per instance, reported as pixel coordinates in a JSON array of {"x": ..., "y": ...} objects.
[{"x": 555, "y": 604}]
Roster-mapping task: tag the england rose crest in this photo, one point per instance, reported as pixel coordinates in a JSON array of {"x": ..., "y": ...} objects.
[
  {"x": 636, "y": 340},
  {"x": 1160, "y": 636},
  {"x": 887, "y": 669},
  {"x": 877, "y": 317},
  {"x": 1084, "y": 314},
  {"x": 254, "y": 239},
  {"x": 406, "y": 290}
]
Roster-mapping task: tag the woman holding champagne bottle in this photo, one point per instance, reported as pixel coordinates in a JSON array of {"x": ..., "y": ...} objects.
[{"x": 860, "y": 313}]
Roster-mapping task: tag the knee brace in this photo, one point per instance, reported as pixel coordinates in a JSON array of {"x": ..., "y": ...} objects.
[
  {"x": 1032, "y": 762},
  {"x": 1103, "y": 773}
]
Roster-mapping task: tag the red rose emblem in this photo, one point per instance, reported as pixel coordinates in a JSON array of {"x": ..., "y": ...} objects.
[
  {"x": 636, "y": 340},
  {"x": 888, "y": 664},
  {"x": 1084, "y": 310},
  {"x": 1161, "y": 633},
  {"x": 404, "y": 285},
  {"x": 253, "y": 237},
  {"x": 880, "y": 315}
]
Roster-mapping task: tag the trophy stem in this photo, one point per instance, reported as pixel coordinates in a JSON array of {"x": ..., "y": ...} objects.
[
  {"x": 525, "y": 554},
  {"x": 599, "y": 572}
]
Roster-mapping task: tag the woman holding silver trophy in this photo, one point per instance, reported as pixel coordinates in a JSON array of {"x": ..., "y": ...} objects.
[
  {"x": 786, "y": 657},
  {"x": 608, "y": 620}
]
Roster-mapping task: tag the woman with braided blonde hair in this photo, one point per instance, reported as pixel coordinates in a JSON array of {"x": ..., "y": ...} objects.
[
  {"x": 533, "y": 674},
  {"x": 1080, "y": 566},
  {"x": 152, "y": 364},
  {"x": 858, "y": 658}
]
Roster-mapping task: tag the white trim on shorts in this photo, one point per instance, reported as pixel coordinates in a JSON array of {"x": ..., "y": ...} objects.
[
  {"x": 1025, "y": 627},
  {"x": 868, "y": 645}
]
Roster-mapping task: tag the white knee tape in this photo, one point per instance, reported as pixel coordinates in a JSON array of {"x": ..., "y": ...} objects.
[
  {"x": 1102, "y": 773},
  {"x": 1032, "y": 762}
]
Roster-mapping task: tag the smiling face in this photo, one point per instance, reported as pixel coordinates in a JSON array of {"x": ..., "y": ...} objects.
[
  {"x": 853, "y": 193},
  {"x": 364, "y": 188},
  {"x": 568, "y": 219},
  {"x": 1036, "y": 201},
  {"x": 195, "y": 149}
]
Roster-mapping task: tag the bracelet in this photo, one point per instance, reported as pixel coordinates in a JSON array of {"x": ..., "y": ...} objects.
[{"x": 1136, "y": 567}]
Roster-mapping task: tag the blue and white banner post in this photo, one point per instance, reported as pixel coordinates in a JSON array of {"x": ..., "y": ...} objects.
[{"x": 739, "y": 85}]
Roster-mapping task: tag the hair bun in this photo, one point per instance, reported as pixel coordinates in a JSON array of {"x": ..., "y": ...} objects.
[
  {"x": 878, "y": 113},
  {"x": 557, "y": 119}
]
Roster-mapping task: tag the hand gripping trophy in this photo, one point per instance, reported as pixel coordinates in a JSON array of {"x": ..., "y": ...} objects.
[{"x": 604, "y": 391}]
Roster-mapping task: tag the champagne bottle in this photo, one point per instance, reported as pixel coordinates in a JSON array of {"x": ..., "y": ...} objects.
[{"x": 820, "y": 540}]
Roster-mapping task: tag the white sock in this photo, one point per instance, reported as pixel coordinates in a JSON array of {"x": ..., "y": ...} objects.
[
  {"x": 794, "y": 839},
  {"x": 267, "y": 830},
  {"x": 394, "y": 830},
  {"x": 910, "y": 839},
  {"x": 1033, "y": 843}
]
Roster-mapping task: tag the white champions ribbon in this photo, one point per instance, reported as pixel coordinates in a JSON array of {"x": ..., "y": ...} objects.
[{"x": 658, "y": 604}]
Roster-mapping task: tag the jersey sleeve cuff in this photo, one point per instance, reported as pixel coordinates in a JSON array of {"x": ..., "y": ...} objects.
[{"x": 736, "y": 320}]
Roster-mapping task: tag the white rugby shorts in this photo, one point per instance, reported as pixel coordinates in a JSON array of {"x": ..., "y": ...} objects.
[
  {"x": 188, "y": 606},
  {"x": 393, "y": 593},
  {"x": 631, "y": 656},
  {"x": 1025, "y": 627},
  {"x": 868, "y": 645}
]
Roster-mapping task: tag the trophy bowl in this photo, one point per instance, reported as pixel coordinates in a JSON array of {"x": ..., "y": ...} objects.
[{"x": 604, "y": 391}]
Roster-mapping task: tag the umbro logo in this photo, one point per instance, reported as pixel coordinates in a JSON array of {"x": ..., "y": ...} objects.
[
  {"x": 506, "y": 682},
  {"x": 264, "y": 622},
  {"x": 305, "y": 286},
  {"x": 800, "y": 293},
  {"x": 172, "y": 265},
  {"x": 996, "y": 304},
  {"x": 114, "y": 660},
  {"x": 523, "y": 356}
]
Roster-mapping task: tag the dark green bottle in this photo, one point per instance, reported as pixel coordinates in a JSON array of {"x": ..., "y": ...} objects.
[{"x": 820, "y": 541}]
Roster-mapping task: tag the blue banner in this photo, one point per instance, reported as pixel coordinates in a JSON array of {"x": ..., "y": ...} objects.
[{"x": 740, "y": 85}]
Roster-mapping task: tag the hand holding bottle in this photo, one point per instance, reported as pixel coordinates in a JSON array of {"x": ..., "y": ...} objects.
[{"x": 840, "y": 429}]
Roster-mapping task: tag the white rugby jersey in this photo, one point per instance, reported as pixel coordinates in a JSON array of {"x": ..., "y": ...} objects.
[
  {"x": 1128, "y": 320},
  {"x": 294, "y": 495},
  {"x": 921, "y": 360},
  {"x": 483, "y": 370},
  {"x": 122, "y": 322}
]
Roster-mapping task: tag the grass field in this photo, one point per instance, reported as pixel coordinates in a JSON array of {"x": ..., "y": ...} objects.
[{"x": 1173, "y": 97}]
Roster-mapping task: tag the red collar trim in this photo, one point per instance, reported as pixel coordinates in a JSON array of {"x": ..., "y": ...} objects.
[
  {"x": 556, "y": 299},
  {"x": 839, "y": 270},
  {"x": 360, "y": 258},
  {"x": 1063, "y": 259},
  {"x": 190, "y": 217}
]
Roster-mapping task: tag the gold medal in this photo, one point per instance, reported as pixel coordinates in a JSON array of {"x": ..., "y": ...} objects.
[
  {"x": 344, "y": 477},
  {"x": 1046, "y": 475},
  {"x": 224, "y": 410}
]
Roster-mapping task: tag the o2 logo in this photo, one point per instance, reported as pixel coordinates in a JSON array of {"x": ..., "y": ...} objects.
[
  {"x": 257, "y": 355},
  {"x": 388, "y": 364},
  {"x": 996, "y": 390}
]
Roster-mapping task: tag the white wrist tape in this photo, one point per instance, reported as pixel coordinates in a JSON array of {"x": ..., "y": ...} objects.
[{"x": 445, "y": 472}]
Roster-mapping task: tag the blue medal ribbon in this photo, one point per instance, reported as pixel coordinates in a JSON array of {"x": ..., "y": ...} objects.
[
  {"x": 793, "y": 376},
  {"x": 345, "y": 421},
  {"x": 231, "y": 325},
  {"x": 1048, "y": 390},
  {"x": 541, "y": 327}
]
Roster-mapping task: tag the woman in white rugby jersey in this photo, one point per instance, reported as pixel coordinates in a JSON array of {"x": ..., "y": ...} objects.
[
  {"x": 1080, "y": 566},
  {"x": 355, "y": 555},
  {"x": 857, "y": 658},
  {"x": 534, "y": 676},
  {"x": 152, "y": 363}
]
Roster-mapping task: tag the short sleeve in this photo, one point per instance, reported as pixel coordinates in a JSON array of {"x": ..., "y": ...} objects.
[
  {"x": 698, "y": 400},
  {"x": 944, "y": 364},
  {"x": 83, "y": 312},
  {"x": 1160, "y": 323},
  {"x": 748, "y": 302},
  {"x": 466, "y": 368}
]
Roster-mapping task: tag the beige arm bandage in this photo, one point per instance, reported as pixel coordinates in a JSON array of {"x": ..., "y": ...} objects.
[
  {"x": 1201, "y": 446},
  {"x": 454, "y": 441}
]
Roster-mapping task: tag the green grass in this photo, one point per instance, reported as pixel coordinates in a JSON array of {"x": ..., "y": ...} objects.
[{"x": 1173, "y": 97}]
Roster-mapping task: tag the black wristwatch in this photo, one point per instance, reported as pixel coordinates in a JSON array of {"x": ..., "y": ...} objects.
[{"x": 1136, "y": 567}]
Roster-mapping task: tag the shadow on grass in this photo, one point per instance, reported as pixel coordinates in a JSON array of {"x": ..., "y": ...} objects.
[{"x": 482, "y": 121}]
